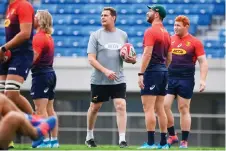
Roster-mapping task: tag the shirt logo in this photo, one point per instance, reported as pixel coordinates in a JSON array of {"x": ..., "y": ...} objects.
[
  {"x": 113, "y": 46},
  {"x": 178, "y": 51},
  {"x": 173, "y": 42},
  {"x": 95, "y": 98},
  {"x": 179, "y": 45},
  {"x": 188, "y": 43},
  {"x": 7, "y": 23},
  {"x": 152, "y": 87}
]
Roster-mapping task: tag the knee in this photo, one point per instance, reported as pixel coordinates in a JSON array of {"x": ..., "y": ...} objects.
[
  {"x": 121, "y": 106},
  {"x": 94, "y": 108},
  {"x": 40, "y": 110},
  {"x": 167, "y": 107},
  {"x": 183, "y": 109},
  {"x": 13, "y": 118}
]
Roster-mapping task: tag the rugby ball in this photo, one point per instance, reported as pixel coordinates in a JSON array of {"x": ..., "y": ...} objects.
[
  {"x": 7, "y": 56},
  {"x": 127, "y": 50}
]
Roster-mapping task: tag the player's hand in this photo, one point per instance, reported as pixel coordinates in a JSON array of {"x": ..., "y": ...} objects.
[
  {"x": 141, "y": 81},
  {"x": 2, "y": 55},
  {"x": 111, "y": 75},
  {"x": 130, "y": 59},
  {"x": 202, "y": 86}
]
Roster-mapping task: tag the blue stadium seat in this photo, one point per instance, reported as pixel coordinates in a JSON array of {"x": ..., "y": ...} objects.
[
  {"x": 140, "y": 9},
  {"x": 214, "y": 44},
  {"x": 2, "y": 31},
  {"x": 70, "y": 9},
  {"x": 137, "y": 42},
  {"x": 2, "y": 8},
  {"x": 78, "y": 19},
  {"x": 76, "y": 30},
  {"x": 92, "y": 20},
  {"x": 52, "y": 8},
  {"x": 219, "y": 9},
  {"x": 204, "y": 19},
  {"x": 64, "y": 1},
  {"x": 61, "y": 30},
  {"x": 62, "y": 19},
  {"x": 2, "y": 40},
  {"x": 70, "y": 52},
  {"x": 61, "y": 41},
  {"x": 87, "y": 30},
  {"x": 3, "y": 1},
  {"x": 93, "y": 9},
  {"x": 125, "y": 20},
  {"x": 124, "y": 9},
  {"x": 215, "y": 53},
  {"x": 77, "y": 42}
]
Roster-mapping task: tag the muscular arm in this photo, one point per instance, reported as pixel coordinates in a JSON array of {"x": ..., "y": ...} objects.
[
  {"x": 146, "y": 58},
  {"x": 22, "y": 36}
]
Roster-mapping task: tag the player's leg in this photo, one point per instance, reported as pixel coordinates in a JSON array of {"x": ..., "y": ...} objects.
[
  {"x": 185, "y": 119},
  {"x": 17, "y": 122},
  {"x": 99, "y": 94},
  {"x": 162, "y": 119},
  {"x": 118, "y": 94},
  {"x": 54, "y": 133},
  {"x": 171, "y": 93},
  {"x": 10, "y": 124},
  {"x": 185, "y": 93},
  {"x": 12, "y": 91}
]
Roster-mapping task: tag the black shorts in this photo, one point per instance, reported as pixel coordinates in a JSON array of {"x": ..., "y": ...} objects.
[{"x": 102, "y": 93}]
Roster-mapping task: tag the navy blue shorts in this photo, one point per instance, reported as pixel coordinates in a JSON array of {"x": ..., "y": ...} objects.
[
  {"x": 155, "y": 83},
  {"x": 19, "y": 64},
  {"x": 181, "y": 87},
  {"x": 43, "y": 85}
]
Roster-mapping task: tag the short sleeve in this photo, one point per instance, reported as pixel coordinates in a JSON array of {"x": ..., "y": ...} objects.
[
  {"x": 38, "y": 44},
  {"x": 92, "y": 44},
  {"x": 149, "y": 38},
  {"x": 199, "y": 48},
  {"x": 25, "y": 13}
]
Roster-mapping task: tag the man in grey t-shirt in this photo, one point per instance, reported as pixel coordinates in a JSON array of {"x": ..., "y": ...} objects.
[{"x": 107, "y": 79}]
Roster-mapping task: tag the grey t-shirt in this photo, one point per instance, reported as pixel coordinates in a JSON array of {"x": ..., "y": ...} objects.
[{"x": 106, "y": 45}]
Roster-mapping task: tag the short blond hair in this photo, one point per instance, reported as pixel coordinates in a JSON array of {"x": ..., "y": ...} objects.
[{"x": 45, "y": 21}]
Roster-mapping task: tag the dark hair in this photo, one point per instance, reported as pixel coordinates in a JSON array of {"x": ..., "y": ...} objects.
[{"x": 112, "y": 11}]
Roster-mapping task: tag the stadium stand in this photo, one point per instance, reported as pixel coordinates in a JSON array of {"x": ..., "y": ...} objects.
[{"x": 74, "y": 20}]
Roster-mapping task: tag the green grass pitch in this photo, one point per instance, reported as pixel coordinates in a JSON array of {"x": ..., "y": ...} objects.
[{"x": 105, "y": 147}]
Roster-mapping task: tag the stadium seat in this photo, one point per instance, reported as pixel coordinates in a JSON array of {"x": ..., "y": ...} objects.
[
  {"x": 87, "y": 30},
  {"x": 3, "y": 1},
  {"x": 70, "y": 52},
  {"x": 52, "y": 8},
  {"x": 124, "y": 9},
  {"x": 93, "y": 9},
  {"x": 204, "y": 19},
  {"x": 2, "y": 8},
  {"x": 2, "y": 40},
  {"x": 215, "y": 53},
  {"x": 219, "y": 9},
  {"x": 62, "y": 19},
  {"x": 139, "y": 9},
  {"x": 2, "y": 31},
  {"x": 78, "y": 19},
  {"x": 214, "y": 44},
  {"x": 137, "y": 42}
]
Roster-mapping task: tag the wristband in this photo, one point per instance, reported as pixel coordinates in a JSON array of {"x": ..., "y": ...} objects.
[{"x": 140, "y": 74}]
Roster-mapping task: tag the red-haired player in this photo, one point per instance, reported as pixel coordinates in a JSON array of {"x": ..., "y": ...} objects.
[{"x": 186, "y": 50}]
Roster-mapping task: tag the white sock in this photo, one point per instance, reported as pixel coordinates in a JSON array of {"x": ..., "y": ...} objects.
[
  {"x": 122, "y": 137},
  {"x": 53, "y": 138},
  {"x": 46, "y": 140},
  {"x": 89, "y": 135}
]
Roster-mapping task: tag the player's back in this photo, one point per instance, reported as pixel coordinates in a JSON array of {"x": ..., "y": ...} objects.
[
  {"x": 44, "y": 44},
  {"x": 161, "y": 42}
]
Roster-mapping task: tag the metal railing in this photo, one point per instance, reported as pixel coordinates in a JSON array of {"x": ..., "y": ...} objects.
[{"x": 197, "y": 131}]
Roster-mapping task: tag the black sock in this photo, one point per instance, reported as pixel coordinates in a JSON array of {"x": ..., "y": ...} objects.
[
  {"x": 151, "y": 137},
  {"x": 185, "y": 135},
  {"x": 171, "y": 131},
  {"x": 163, "y": 139}
]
